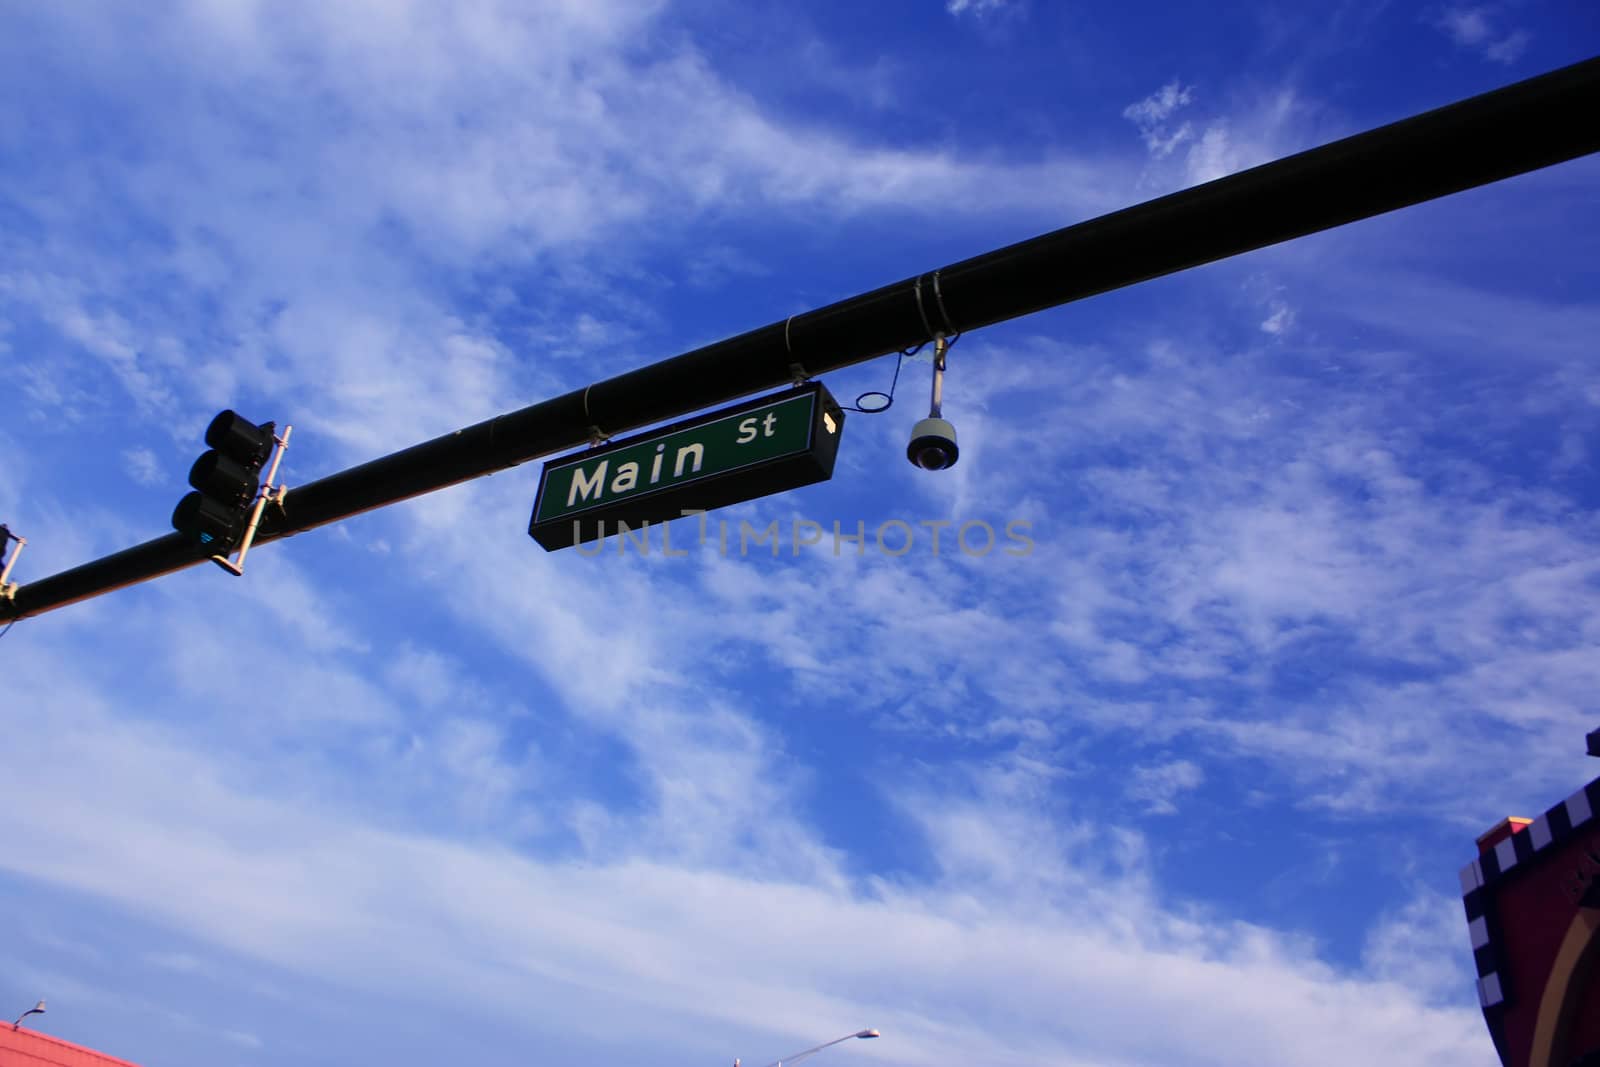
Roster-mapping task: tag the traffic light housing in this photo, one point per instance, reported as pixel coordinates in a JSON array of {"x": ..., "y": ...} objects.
[{"x": 226, "y": 480}]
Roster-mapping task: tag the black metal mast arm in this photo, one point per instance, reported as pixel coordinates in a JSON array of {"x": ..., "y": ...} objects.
[{"x": 1532, "y": 124}]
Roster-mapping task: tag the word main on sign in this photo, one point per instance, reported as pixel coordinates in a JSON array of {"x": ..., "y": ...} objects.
[{"x": 753, "y": 449}]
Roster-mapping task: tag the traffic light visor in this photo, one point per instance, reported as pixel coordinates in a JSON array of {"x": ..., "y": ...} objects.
[{"x": 240, "y": 439}]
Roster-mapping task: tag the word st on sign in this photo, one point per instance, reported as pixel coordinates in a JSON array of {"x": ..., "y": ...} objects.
[{"x": 752, "y": 449}]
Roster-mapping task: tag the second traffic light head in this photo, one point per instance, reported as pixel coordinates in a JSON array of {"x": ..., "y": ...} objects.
[{"x": 222, "y": 479}]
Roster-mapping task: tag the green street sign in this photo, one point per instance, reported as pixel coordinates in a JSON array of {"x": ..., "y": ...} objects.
[{"x": 752, "y": 449}]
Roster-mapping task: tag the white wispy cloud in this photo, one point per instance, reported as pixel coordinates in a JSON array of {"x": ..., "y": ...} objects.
[
  {"x": 1416, "y": 947},
  {"x": 1150, "y": 115},
  {"x": 1158, "y": 786},
  {"x": 139, "y": 360},
  {"x": 1280, "y": 319},
  {"x": 1474, "y": 28},
  {"x": 976, "y": 8},
  {"x": 1265, "y": 126},
  {"x": 143, "y": 467},
  {"x": 309, "y": 889},
  {"x": 1270, "y": 129}
]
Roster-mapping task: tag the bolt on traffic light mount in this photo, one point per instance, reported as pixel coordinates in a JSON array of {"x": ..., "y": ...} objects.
[{"x": 280, "y": 444}]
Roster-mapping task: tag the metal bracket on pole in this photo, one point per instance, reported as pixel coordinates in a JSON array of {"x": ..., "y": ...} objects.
[
  {"x": 281, "y": 445},
  {"x": 9, "y": 589},
  {"x": 597, "y": 436}
]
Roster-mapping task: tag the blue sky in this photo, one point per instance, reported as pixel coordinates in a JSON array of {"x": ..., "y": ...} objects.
[{"x": 1312, "y": 598}]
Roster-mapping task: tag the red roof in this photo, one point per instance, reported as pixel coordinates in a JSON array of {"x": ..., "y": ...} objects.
[{"x": 21, "y": 1047}]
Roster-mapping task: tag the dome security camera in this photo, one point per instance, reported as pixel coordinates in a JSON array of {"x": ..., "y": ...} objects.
[
  {"x": 933, "y": 445},
  {"x": 933, "y": 440}
]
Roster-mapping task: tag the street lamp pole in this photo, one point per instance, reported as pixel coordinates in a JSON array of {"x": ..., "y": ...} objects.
[{"x": 798, "y": 1056}]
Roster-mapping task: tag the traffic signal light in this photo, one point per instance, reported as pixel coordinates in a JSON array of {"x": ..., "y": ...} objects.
[{"x": 226, "y": 480}]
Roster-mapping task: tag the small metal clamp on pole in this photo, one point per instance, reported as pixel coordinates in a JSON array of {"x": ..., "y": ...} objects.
[
  {"x": 9, "y": 589},
  {"x": 281, "y": 445},
  {"x": 798, "y": 375},
  {"x": 597, "y": 436}
]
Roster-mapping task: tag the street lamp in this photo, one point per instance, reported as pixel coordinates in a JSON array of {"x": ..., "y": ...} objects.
[
  {"x": 37, "y": 1009},
  {"x": 798, "y": 1056}
]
